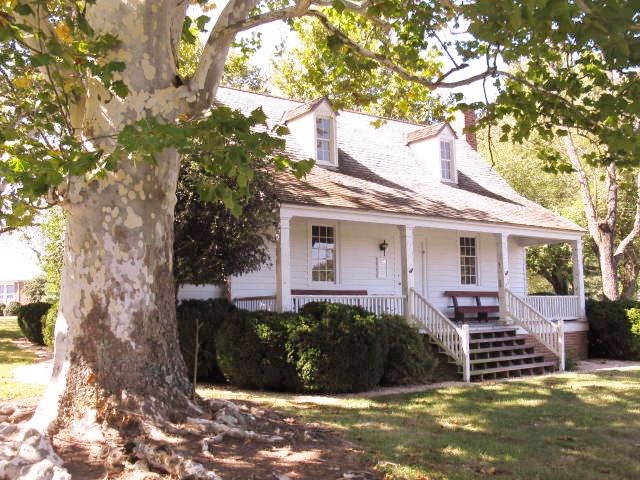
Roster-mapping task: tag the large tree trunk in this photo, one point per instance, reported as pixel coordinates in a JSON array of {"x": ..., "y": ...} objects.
[
  {"x": 116, "y": 338},
  {"x": 116, "y": 345}
]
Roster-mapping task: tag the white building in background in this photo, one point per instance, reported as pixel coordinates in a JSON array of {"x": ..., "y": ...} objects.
[{"x": 18, "y": 264}]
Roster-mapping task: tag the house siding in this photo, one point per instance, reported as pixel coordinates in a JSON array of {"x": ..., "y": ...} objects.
[
  {"x": 436, "y": 263},
  {"x": 357, "y": 251},
  {"x": 261, "y": 283},
  {"x": 517, "y": 268},
  {"x": 443, "y": 264},
  {"x": 198, "y": 292}
]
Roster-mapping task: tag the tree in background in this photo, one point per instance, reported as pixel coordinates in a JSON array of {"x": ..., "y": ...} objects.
[
  {"x": 593, "y": 109},
  {"x": 322, "y": 64},
  {"x": 212, "y": 243}
]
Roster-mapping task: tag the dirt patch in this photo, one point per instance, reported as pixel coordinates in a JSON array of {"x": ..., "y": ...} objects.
[
  {"x": 601, "y": 365},
  {"x": 307, "y": 451},
  {"x": 42, "y": 353}
]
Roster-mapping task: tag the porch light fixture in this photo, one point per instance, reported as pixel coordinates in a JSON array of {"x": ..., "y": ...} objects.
[{"x": 383, "y": 247}]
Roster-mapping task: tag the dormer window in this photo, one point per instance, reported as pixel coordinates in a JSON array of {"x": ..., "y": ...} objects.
[
  {"x": 323, "y": 140},
  {"x": 446, "y": 160},
  {"x": 313, "y": 125}
]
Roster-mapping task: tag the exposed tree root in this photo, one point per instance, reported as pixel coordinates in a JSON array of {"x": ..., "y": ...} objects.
[{"x": 121, "y": 444}]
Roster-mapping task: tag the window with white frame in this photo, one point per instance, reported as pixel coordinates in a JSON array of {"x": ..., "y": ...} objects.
[
  {"x": 468, "y": 261},
  {"x": 323, "y": 140},
  {"x": 7, "y": 293},
  {"x": 446, "y": 160},
  {"x": 323, "y": 253}
]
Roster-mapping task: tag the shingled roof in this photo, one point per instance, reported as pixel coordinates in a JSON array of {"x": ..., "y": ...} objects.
[
  {"x": 427, "y": 132},
  {"x": 303, "y": 109},
  {"x": 378, "y": 171}
]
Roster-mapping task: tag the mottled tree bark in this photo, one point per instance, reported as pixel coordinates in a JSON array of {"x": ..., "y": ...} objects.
[{"x": 116, "y": 346}]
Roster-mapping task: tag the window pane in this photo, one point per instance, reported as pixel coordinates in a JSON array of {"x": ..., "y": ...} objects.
[
  {"x": 468, "y": 261},
  {"x": 323, "y": 250},
  {"x": 445, "y": 150},
  {"x": 323, "y": 140},
  {"x": 446, "y": 169},
  {"x": 323, "y": 128}
]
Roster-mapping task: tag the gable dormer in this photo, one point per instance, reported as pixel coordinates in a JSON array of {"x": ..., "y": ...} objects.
[
  {"x": 313, "y": 125},
  {"x": 435, "y": 145}
]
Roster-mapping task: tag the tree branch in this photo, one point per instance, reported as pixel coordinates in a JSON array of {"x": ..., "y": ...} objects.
[
  {"x": 233, "y": 19},
  {"x": 611, "y": 185},
  {"x": 585, "y": 190},
  {"x": 635, "y": 230},
  {"x": 397, "y": 69}
]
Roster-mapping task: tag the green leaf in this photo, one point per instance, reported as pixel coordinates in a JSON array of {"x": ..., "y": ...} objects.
[{"x": 120, "y": 88}]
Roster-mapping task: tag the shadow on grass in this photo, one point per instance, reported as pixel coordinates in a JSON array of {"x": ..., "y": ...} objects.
[
  {"x": 9, "y": 351},
  {"x": 571, "y": 426}
]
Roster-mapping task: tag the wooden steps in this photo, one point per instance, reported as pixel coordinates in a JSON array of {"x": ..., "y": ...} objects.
[{"x": 500, "y": 352}]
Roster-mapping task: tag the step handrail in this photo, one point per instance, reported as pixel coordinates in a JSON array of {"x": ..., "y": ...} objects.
[
  {"x": 447, "y": 335},
  {"x": 547, "y": 332}
]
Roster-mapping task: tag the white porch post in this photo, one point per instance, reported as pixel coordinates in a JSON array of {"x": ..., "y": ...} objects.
[
  {"x": 408, "y": 270},
  {"x": 578, "y": 274},
  {"x": 502, "y": 249},
  {"x": 283, "y": 266}
]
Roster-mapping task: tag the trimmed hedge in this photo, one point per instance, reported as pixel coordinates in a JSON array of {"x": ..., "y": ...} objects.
[
  {"x": 208, "y": 315},
  {"x": 49, "y": 325},
  {"x": 338, "y": 348},
  {"x": 252, "y": 351},
  {"x": 408, "y": 360},
  {"x": 12, "y": 309},
  {"x": 614, "y": 329},
  {"x": 30, "y": 318},
  {"x": 325, "y": 348}
]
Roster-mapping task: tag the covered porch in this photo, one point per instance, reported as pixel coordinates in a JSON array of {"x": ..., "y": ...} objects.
[
  {"x": 409, "y": 266},
  {"x": 374, "y": 260}
]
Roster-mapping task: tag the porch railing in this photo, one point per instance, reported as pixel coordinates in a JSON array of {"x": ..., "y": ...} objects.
[
  {"x": 378, "y": 304},
  {"x": 547, "y": 332},
  {"x": 254, "y": 304},
  {"x": 452, "y": 339},
  {"x": 563, "y": 307}
]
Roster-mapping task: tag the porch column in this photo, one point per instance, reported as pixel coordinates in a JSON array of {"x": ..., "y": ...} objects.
[
  {"x": 408, "y": 270},
  {"x": 578, "y": 274},
  {"x": 283, "y": 266},
  {"x": 502, "y": 249}
]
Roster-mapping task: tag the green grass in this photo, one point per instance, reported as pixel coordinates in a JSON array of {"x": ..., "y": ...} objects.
[
  {"x": 570, "y": 426},
  {"x": 12, "y": 357}
]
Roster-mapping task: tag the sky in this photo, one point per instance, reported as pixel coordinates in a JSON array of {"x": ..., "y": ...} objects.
[{"x": 17, "y": 260}]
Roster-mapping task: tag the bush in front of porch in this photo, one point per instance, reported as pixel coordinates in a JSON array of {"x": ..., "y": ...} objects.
[
  {"x": 614, "y": 329},
  {"x": 325, "y": 348}
]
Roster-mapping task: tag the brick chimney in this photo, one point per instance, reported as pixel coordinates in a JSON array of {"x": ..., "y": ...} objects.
[{"x": 462, "y": 120}]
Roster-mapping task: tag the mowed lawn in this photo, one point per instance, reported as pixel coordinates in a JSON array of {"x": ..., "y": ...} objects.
[
  {"x": 569, "y": 426},
  {"x": 12, "y": 357}
]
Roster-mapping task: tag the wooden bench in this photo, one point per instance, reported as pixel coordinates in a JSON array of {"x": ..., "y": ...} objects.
[{"x": 480, "y": 311}]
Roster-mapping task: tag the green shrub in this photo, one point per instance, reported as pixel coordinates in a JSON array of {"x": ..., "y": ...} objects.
[
  {"x": 337, "y": 348},
  {"x": 408, "y": 361},
  {"x": 613, "y": 329},
  {"x": 11, "y": 309},
  {"x": 2, "y": 307},
  {"x": 30, "y": 318},
  {"x": 633, "y": 316},
  {"x": 49, "y": 325},
  {"x": 251, "y": 351},
  {"x": 205, "y": 317}
]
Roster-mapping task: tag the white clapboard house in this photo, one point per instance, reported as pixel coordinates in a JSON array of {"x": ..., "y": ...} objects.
[{"x": 410, "y": 219}]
